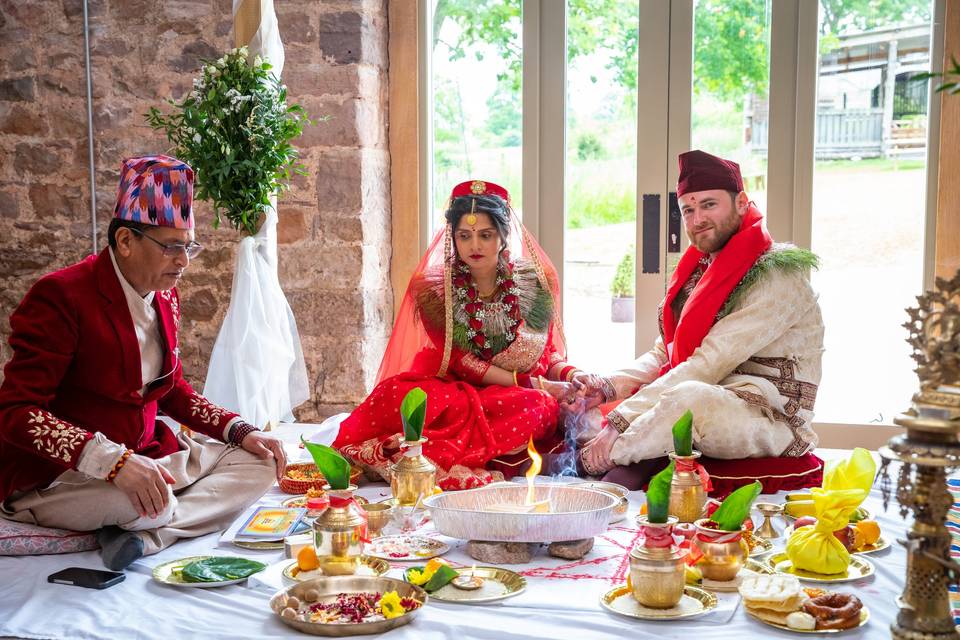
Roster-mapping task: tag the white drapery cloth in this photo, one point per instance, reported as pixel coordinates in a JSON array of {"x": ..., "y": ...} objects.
[{"x": 257, "y": 367}]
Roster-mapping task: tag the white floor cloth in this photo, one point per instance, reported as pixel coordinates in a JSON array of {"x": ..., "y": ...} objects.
[{"x": 561, "y": 600}]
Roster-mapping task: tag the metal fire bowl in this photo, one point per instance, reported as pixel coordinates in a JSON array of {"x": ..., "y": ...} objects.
[{"x": 575, "y": 513}]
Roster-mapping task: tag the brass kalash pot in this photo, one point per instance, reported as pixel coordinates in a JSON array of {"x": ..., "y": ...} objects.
[
  {"x": 339, "y": 533},
  {"x": 928, "y": 450},
  {"x": 657, "y": 571},
  {"x": 687, "y": 495},
  {"x": 413, "y": 477}
]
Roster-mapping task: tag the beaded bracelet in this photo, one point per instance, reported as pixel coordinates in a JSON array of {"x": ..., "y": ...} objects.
[
  {"x": 116, "y": 468},
  {"x": 239, "y": 431}
]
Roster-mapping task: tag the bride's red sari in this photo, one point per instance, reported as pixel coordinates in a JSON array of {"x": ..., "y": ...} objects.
[{"x": 472, "y": 429}]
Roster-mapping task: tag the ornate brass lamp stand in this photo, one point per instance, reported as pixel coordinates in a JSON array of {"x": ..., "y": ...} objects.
[{"x": 928, "y": 450}]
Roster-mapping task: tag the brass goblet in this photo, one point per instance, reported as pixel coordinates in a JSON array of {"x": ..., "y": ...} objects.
[
  {"x": 768, "y": 510},
  {"x": 378, "y": 515}
]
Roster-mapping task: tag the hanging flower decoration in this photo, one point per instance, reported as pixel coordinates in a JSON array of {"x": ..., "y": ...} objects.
[{"x": 235, "y": 129}]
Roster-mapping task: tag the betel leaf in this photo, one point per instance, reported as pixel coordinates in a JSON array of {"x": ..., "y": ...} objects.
[
  {"x": 220, "y": 569},
  {"x": 733, "y": 511},
  {"x": 413, "y": 411},
  {"x": 683, "y": 435},
  {"x": 331, "y": 464},
  {"x": 441, "y": 578},
  {"x": 658, "y": 496}
]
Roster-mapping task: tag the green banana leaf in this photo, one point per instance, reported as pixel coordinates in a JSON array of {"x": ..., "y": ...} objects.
[
  {"x": 413, "y": 411},
  {"x": 331, "y": 464},
  {"x": 441, "y": 577},
  {"x": 220, "y": 569},
  {"x": 683, "y": 435},
  {"x": 735, "y": 508},
  {"x": 658, "y": 496}
]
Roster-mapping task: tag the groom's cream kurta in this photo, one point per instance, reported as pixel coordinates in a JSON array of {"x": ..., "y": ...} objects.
[{"x": 751, "y": 384}]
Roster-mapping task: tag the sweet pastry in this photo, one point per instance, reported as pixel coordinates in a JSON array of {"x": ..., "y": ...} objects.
[{"x": 834, "y": 610}]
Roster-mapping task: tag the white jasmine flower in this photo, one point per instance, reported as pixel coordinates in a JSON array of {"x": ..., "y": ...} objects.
[
  {"x": 196, "y": 138},
  {"x": 210, "y": 69},
  {"x": 257, "y": 61}
]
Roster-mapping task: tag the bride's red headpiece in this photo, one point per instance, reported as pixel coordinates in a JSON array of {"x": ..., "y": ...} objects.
[{"x": 479, "y": 188}]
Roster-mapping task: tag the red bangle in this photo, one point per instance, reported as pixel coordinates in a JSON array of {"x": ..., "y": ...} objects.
[{"x": 116, "y": 468}]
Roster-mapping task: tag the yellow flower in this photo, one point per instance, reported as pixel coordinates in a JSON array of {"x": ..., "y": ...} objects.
[
  {"x": 417, "y": 577},
  {"x": 390, "y": 605}
]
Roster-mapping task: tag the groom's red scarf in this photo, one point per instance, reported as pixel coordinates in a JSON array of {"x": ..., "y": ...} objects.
[{"x": 682, "y": 336}]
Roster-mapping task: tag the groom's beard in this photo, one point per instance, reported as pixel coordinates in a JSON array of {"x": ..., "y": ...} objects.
[{"x": 713, "y": 238}]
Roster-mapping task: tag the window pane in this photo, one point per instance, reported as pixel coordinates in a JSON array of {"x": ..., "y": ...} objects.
[
  {"x": 731, "y": 81},
  {"x": 868, "y": 203},
  {"x": 601, "y": 182},
  {"x": 477, "y": 125}
]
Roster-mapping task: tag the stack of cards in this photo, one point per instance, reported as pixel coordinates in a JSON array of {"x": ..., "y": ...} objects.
[{"x": 273, "y": 523}]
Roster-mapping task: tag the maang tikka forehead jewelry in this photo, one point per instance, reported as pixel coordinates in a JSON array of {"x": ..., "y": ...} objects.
[{"x": 472, "y": 217}]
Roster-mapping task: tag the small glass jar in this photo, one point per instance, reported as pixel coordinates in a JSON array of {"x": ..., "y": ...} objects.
[{"x": 657, "y": 573}]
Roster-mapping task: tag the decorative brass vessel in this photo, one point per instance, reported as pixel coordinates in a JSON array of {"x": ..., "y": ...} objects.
[
  {"x": 929, "y": 449},
  {"x": 657, "y": 573},
  {"x": 768, "y": 510},
  {"x": 687, "y": 495},
  {"x": 723, "y": 552},
  {"x": 413, "y": 476},
  {"x": 339, "y": 534},
  {"x": 379, "y": 514}
]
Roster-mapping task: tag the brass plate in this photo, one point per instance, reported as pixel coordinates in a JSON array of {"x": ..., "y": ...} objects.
[
  {"x": 406, "y": 548},
  {"x": 859, "y": 567},
  {"x": 695, "y": 602},
  {"x": 260, "y": 545},
  {"x": 881, "y": 544},
  {"x": 375, "y": 566},
  {"x": 761, "y": 546},
  {"x": 864, "y": 616},
  {"x": 329, "y": 587},
  {"x": 752, "y": 564},
  {"x": 164, "y": 574},
  {"x": 498, "y": 584}
]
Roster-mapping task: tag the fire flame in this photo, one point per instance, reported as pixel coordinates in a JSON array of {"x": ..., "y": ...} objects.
[{"x": 533, "y": 470}]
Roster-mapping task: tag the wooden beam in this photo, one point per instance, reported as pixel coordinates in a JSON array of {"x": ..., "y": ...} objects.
[
  {"x": 948, "y": 184},
  {"x": 246, "y": 22},
  {"x": 404, "y": 141}
]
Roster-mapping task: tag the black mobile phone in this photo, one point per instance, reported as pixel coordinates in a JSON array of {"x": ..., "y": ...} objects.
[{"x": 89, "y": 578}]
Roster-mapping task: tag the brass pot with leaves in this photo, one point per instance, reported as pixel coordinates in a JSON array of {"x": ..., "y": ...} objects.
[
  {"x": 413, "y": 477},
  {"x": 688, "y": 488},
  {"x": 339, "y": 533}
]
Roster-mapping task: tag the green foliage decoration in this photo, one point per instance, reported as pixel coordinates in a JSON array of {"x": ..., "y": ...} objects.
[
  {"x": 235, "y": 129},
  {"x": 624, "y": 280}
]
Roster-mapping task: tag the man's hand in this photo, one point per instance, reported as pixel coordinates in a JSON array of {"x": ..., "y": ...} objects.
[
  {"x": 595, "y": 455},
  {"x": 145, "y": 483},
  {"x": 562, "y": 392},
  {"x": 590, "y": 387},
  {"x": 265, "y": 446}
]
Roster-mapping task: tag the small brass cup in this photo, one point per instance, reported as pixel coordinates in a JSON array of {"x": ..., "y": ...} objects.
[
  {"x": 379, "y": 515},
  {"x": 768, "y": 510}
]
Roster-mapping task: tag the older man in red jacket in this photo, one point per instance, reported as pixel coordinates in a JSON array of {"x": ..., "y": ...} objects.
[{"x": 95, "y": 358}]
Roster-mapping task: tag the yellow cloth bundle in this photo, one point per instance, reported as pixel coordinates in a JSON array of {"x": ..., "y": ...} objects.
[{"x": 845, "y": 486}]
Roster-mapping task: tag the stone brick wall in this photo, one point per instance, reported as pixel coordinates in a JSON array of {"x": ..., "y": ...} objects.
[{"x": 334, "y": 230}]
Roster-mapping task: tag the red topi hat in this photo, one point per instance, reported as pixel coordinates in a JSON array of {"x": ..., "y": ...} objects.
[
  {"x": 479, "y": 188},
  {"x": 700, "y": 171}
]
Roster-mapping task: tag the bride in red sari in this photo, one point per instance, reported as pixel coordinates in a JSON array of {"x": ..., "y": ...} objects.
[{"x": 479, "y": 332}]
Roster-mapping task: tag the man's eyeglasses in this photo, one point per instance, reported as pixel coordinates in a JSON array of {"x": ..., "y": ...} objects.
[{"x": 192, "y": 249}]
